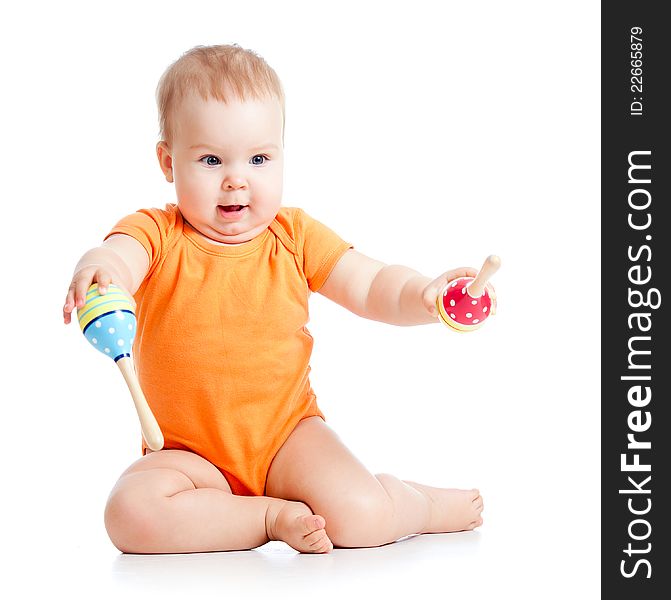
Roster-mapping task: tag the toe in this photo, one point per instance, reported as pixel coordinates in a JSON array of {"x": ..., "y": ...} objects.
[
  {"x": 312, "y": 523},
  {"x": 476, "y": 499},
  {"x": 318, "y": 542},
  {"x": 323, "y": 546},
  {"x": 316, "y": 538}
]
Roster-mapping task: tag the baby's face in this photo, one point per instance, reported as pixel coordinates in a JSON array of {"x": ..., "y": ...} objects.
[{"x": 224, "y": 156}]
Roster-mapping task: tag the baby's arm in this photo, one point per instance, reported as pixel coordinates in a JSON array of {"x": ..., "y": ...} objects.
[
  {"x": 392, "y": 294},
  {"x": 121, "y": 260}
]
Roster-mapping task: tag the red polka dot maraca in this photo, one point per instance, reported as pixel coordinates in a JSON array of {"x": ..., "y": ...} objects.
[
  {"x": 108, "y": 323},
  {"x": 465, "y": 303}
]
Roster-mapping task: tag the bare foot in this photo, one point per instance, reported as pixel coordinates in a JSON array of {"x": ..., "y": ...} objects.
[
  {"x": 294, "y": 523},
  {"x": 451, "y": 509}
]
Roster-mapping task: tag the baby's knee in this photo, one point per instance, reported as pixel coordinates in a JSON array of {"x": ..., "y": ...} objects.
[
  {"x": 130, "y": 522},
  {"x": 360, "y": 520}
]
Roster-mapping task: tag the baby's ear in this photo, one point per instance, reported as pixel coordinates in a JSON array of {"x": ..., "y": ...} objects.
[{"x": 165, "y": 159}]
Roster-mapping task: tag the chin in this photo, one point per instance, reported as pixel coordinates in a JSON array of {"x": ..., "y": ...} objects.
[{"x": 237, "y": 233}]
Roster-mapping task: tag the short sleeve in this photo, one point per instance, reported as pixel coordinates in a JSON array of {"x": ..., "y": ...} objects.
[
  {"x": 151, "y": 227},
  {"x": 319, "y": 248}
]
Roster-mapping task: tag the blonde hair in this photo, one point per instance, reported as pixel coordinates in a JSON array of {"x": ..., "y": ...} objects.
[{"x": 214, "y": 72}]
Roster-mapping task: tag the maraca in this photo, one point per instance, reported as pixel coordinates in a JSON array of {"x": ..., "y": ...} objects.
[
  {"x": 109, "y": 324},
  {"x": 465, "y": 302}
]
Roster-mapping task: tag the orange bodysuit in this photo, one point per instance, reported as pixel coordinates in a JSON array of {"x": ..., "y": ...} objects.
[{"x": 222, "y": 349}]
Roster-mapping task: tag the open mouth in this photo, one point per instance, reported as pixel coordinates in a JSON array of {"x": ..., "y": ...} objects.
[
  {"x": 232, "y": 207},
  {"x": 232, "y": 212}
]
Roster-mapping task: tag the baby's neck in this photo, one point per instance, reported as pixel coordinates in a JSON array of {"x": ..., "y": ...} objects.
[{"x": 222, "y": 243}]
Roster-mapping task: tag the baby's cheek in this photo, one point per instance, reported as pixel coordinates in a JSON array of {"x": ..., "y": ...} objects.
[
  {"x": 194, "y": 192},
  {"x": 272, "y": 182},
  {"x": 269, "y": 196}
]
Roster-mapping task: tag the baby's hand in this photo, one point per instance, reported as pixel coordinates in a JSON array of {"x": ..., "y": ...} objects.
[
  {"x": 431, "y": 291},
  {"x": 82, "y": 280}
]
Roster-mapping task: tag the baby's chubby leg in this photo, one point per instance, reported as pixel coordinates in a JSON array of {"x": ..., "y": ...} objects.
[
  {"x": 362, "y": 509},
  {"x": 174, "y": 501}
]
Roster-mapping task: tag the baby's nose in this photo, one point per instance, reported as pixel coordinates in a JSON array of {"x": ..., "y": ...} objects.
[{"x": 235, "y": 183}]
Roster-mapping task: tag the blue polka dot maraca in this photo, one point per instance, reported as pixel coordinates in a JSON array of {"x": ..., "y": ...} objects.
[{"x": 109, "y": 324}]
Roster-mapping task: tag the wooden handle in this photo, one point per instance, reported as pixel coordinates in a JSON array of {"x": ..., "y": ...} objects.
[
  {"x": 150, "y": 429},
  {"x": 489, "y": 267}
]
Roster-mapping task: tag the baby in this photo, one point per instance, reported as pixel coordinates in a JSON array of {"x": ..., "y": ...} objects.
[{"x": 221, "y": 280}]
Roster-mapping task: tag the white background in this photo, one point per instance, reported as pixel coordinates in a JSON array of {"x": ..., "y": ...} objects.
[{"x": 428, "y": 134}]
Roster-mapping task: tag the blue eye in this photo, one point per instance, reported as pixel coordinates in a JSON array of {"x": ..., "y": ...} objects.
[
  {"x": 258, "y": 159},
  {"x": 210, "y": 160}
]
